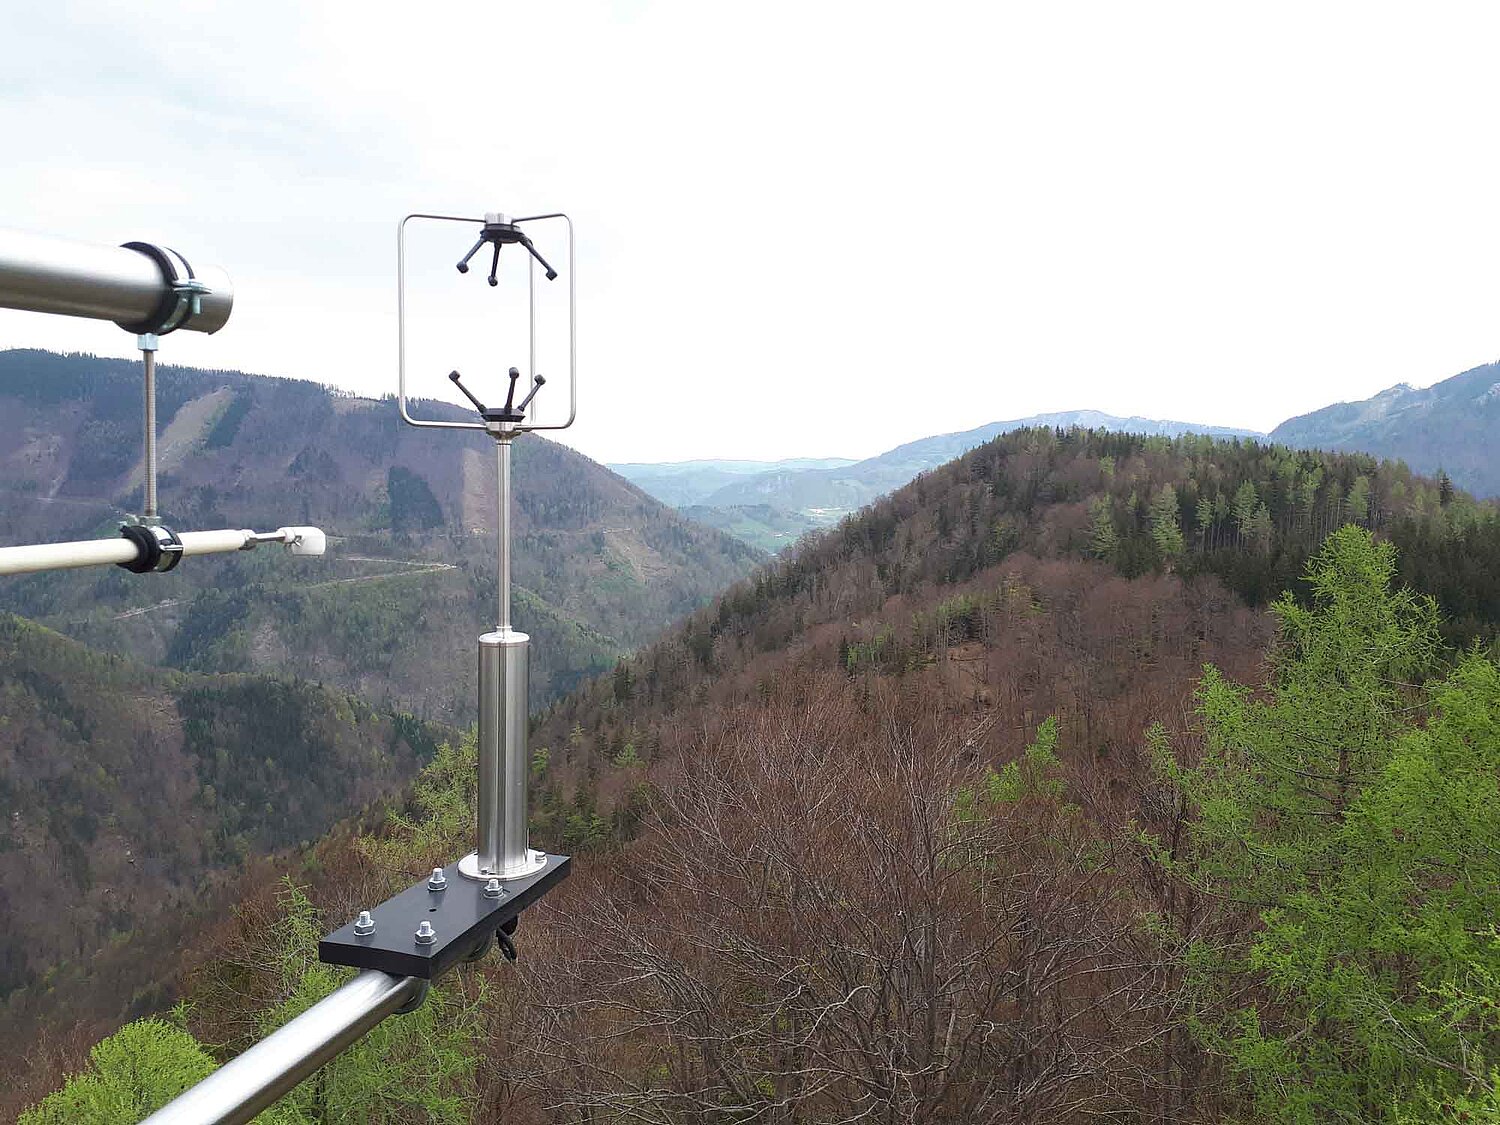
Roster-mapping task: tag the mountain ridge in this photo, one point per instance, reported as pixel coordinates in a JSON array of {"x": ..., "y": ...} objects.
[
  {"x": 767, "y": 507},
  {"x": 600, "y": 567},
  {"x": 1451, "y": 426}
]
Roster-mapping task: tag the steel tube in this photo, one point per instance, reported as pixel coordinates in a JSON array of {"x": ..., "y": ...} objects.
[
  {"x": 502, "y": 530},
  {"x": 245, "y": 1085},
  {"x": 39, "y": 273},
  {"x": 148, "y": 361},
  {"x": 504, "y": 672},
  {"x": 572, "y": 324}
]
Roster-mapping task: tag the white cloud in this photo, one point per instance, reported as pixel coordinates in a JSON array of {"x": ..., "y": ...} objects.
[{"x": 804, "y": 228}]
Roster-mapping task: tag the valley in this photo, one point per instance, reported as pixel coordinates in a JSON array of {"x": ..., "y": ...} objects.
[{"x": 991, "y": 655}]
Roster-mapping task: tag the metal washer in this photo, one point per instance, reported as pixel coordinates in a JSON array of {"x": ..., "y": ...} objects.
[{"x": 468, "y": 867}]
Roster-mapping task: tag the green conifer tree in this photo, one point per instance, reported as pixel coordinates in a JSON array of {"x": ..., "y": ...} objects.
[
  {"x": 1362, "y": 828},
  {"x": 1166, "y": 524},
  {"x": 1104, "y": 540}
]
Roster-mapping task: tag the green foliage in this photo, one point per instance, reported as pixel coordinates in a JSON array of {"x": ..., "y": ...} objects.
[
  {"x": 415, "y": 1067},
  {"x": 1036, "y": 773},
  {"x": 227, "y": 426},
  {"x": 1104, "y": 540},
  {"x": 419, "y": 1066},
  {"x": 873, "y": 653},
  {"x": 628, "y": 757},
  {"x": 438, "y": 821},
  {"x": 1366, "y": 841},
  {"x": 413, "y": 506},
  {"x": 1166, "y": 530},
  {"x": 136, "y": 1071}
]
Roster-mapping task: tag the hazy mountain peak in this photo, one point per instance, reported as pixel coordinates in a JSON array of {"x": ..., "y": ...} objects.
[{"x": 1430, "y": 428}]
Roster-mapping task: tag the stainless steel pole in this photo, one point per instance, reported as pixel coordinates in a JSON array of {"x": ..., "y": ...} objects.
[
  {"x": 502, "y": 528},
  {"x": 245, "y": 1085},
  {"x": 39, "y": 273},
  {"x": 504, "y": 675},
  {"x": 148, "y": 361}
]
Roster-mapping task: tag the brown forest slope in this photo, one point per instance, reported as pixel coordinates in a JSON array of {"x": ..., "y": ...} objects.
[
  {"x": 782, "y": 904},
  {"x": 923, "y": 582},
  {"x": 600, "y": 567}
]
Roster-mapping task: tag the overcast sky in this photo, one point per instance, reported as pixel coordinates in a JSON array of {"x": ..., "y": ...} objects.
[{"x": 804, "y": 228}]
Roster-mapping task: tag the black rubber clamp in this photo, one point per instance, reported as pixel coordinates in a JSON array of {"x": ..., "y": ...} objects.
[
  {"x": 176, "y": 299},
  {"x": 160, "y": 548}
]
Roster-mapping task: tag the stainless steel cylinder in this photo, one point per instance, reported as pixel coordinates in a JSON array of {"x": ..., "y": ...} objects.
[
  {"x": 503, "y": 760},
  {"x": 39, "y": 273}
]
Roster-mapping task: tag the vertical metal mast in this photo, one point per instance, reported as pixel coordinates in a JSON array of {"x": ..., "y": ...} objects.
[
  {"x": 504, "y": 686},
  {"x": 502, "y": 851},
  {"x": 147, "y": 343}
]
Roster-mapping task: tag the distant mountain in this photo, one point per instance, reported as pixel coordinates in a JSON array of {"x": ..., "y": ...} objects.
[
  {"x": 824, "y": 494},
  {"x": 392, "y": 611},
  {"x": 681, "y": 483},
  {"x": 1453, "y": 426}
]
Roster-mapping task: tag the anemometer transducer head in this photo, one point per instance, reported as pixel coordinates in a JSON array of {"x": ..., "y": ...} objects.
[
  {"x": 503, "y": 857},
  {"x": 498, "y": 231}
]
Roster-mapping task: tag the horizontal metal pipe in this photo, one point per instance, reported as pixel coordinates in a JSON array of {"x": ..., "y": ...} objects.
[
  {"x": 245, "y": 1085},
  {"x": 39, "y": 273},
  {"x": 101, "y": 552}
]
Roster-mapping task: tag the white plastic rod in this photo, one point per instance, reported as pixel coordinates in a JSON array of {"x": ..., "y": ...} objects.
[
  {"x": 244, "y": 1086},
  {"x": 65, "y": 556},
  {"x": 102, "y": 552},
  {"x": 214, "y": 542}
]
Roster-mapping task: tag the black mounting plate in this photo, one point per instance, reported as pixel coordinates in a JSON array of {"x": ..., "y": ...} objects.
[{"x": 463, "y": 918}]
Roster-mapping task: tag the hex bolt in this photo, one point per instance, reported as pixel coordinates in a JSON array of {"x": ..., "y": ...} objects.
[
  {"x": 364, "y": 924},
  {"x": 493, "y": 889},
  {"x": 426, "y": 935},
  {"x": 438, "y": 881}
]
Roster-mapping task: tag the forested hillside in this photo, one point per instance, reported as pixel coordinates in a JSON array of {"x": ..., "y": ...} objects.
[
  {"x": 126, "y": 788},
  {"x": 391, "y": 612},
  {"x": 841, "y": 489},
  {"x": 943, "y": 819}
]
